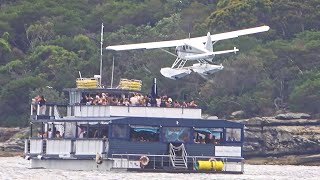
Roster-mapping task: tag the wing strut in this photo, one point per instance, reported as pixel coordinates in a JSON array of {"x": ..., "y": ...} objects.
[{"x": 169, "y": 52}]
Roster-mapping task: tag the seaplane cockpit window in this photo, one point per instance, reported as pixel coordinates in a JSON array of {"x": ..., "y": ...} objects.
[
  {"x": 233, "y": 135},
  {"x": 207, "y": 135},
  {"x": 119, "y": 130},
  {"x": 144, "y": 134},
  {"x": 176, "y": 134}
]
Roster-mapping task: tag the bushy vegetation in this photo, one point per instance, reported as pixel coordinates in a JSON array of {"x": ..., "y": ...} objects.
[{"x": 45, "y": 43}]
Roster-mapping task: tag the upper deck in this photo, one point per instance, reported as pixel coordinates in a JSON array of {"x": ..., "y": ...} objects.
[{"x": 77, "y": 110}]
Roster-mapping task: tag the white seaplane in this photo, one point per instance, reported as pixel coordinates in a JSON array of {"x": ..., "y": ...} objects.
[{"x": 198, "y": 49}]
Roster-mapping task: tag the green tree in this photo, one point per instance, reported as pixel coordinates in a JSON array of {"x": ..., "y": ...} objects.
[{"x": 54, "y": 64}]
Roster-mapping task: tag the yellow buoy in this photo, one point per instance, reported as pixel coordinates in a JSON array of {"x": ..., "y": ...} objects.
[
  {"x": 217, "y": 165},
  {"x": 210, "y": 165},
  {"x": 204, "y": 165}
]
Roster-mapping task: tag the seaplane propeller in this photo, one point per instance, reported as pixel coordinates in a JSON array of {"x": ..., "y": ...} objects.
[{"x": 199, "y": 49}]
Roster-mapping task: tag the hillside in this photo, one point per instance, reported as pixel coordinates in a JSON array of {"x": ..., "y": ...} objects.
[{"x": 46, "y": 43}]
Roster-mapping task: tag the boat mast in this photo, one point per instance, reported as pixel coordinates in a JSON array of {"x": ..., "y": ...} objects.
[
  {"x": 112, "y": 71},
  {"x": 101, "y": 43}
]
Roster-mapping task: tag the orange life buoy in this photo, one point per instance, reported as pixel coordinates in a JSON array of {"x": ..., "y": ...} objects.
[{"x": 144, "y": 160}]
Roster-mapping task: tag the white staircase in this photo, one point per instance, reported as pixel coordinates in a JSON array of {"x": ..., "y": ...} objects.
[{"x": 178, "y": 162}]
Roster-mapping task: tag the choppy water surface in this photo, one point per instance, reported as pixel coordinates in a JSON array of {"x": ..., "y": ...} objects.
[{"x": 18, "y": 168}]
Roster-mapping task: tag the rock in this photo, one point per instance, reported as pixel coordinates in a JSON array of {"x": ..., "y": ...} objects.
[
  {"x": 288, "y": 116},
  {"x": 238, "y": 114},
  {"x": 254, "y": 121},
  {"x": 16, "y": 142}
]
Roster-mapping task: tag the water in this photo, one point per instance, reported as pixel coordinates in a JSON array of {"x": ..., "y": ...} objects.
[{"x": 18, "y": 168}]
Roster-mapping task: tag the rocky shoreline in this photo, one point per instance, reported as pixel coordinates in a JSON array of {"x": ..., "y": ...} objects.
[
  {"x": 272, "y": 141},
  {"x": 267, "y": 141}
]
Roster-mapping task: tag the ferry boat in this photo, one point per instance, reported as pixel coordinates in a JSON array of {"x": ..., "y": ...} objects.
[{"x": 78, "y": 136}]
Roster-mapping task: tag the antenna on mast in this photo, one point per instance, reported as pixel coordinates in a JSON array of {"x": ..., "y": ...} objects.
[
  {"x": 101, "y": 43},
  {"x": 112, "y": 71}
]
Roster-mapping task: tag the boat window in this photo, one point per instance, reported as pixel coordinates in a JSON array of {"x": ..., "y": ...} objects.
[
  {"x": 183, "y": 47},
  {"x": 98, "y": 130},
  {"x": 70, "y": 130},
  {"x": 207, "y": 135},
  {"x": 104, "y": 131},
  {"x": 144, "y": 133},
  {"x": 119, "y": 130},
  {"x": 82, "y": 131},
  {"x": 176, "y": 134},
  {"x": 38, "y": 130},
  {"x": 233, "y": 134},
  {"x": 48, "y": 130}
]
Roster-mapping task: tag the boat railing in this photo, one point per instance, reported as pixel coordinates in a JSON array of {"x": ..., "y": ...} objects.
[
  {"x": 48, "y": 111},
  {"x": 234, "y": 164},
  {"x": 66, "y": 147},
  {"x": 57, "y": 111},
  {"x": 126, "y": 159}
]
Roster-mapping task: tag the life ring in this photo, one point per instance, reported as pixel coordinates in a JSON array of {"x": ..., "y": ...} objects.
[{"x": 144, "y": 160}]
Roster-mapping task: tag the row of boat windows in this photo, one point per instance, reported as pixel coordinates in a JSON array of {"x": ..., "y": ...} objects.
[{"x": 141, "y": 133}]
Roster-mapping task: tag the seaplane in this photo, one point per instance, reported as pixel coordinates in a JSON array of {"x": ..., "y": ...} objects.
[{"x": 198, "y": 49}]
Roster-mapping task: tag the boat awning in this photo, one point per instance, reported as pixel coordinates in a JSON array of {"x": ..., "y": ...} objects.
[
  {"x": 209, "y": 130},
  {"x": 145, "y": 129}
]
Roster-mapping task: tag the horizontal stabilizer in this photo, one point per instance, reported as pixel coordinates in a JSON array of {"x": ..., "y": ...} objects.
[{"x": 209, "y": 55}]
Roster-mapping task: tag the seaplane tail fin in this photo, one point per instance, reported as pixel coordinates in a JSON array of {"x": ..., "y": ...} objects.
[{"x": 208, "y": 44}]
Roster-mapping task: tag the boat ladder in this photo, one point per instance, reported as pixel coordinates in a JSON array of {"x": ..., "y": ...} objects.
[{"x": 178, "y": 161}]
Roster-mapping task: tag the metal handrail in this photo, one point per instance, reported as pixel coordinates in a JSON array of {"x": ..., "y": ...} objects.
[
  {"x": 184, "y": 155},
  {"x": 194, "y": 158},
  {"x": 172, "y": 155}
]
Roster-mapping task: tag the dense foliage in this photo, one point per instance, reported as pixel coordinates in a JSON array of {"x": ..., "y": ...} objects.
[{"x": 45, "y": 43}]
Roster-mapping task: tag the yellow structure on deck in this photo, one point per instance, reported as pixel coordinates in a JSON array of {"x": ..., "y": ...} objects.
[
  {"x": 209, "y": 165},
  {"x": 130, "y": 84},
  {"x": 87, "y": 83}
]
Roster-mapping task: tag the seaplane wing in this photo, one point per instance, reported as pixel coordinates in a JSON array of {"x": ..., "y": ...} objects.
[
  {"x": 150, "y": 45},
  {"x": 181, "y": 42}
]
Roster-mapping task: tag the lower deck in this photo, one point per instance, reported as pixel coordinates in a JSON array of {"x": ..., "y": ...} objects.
[
  {"x": 137, "y": 144},
  {"x": 100, "y": 154}
]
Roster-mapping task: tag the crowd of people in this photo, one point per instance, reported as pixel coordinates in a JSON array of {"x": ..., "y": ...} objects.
[
  {"x": 50, "y": 133},
  {"x": 137, "y": 99}
]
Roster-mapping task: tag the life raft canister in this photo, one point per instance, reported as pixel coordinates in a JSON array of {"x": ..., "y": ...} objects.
[{"x": 144, "y": 160}]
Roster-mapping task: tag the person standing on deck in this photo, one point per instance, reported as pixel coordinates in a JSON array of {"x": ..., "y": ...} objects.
[{"x": 42, "y": 104}]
